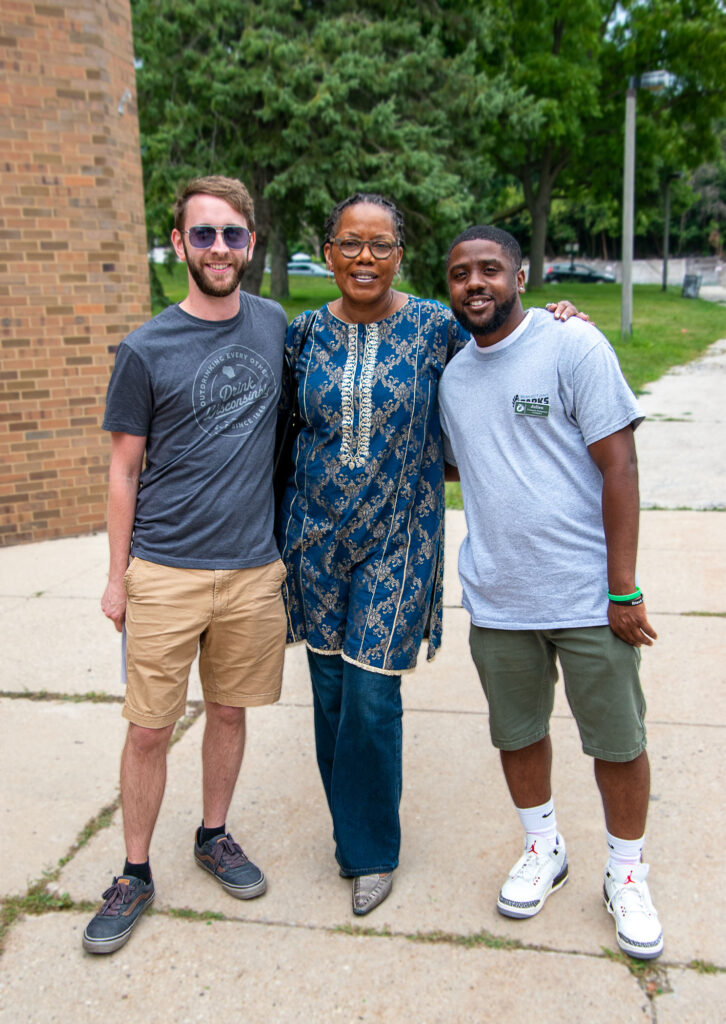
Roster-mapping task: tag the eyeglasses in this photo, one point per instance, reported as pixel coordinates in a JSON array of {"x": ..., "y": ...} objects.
[
  {"x": 352, "y": 247},
  {"x": 202, "y": 236}
]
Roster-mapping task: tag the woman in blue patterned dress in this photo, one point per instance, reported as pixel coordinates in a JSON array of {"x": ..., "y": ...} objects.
[{"x": 361, "y": 523}]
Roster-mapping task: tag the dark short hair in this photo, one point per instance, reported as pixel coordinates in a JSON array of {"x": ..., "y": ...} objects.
[
  {"x": 491, "y": 234},
  {"x": 229, "y": 189},
  {"x": 365, "y": 197}
]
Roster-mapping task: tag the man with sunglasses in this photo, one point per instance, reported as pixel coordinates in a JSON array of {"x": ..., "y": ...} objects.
[{"x": 191, "y": 408}]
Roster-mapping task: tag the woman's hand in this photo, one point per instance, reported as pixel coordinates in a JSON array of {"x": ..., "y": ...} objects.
[{"x": 564, "y": 309}]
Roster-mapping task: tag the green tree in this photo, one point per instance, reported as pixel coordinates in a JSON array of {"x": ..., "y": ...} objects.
[
  {"x": 569, "y": 63},
  {"x": 702, "y": 209},
  {"x": 442, "y": 104},
  {"x": 305, "y": 102},
  {"x": 548, "y": 56}
]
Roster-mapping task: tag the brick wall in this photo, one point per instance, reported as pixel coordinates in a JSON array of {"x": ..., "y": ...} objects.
[{"x": 73, "y": 269}]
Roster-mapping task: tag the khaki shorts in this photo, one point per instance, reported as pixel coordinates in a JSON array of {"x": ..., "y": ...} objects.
[
  {"x": 234, "y": 617},
  {"x": 518, "y": 672}
]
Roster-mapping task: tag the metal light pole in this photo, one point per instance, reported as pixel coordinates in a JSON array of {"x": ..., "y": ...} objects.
[
  {"x": 626, "y": 307},
  {"x": 655, "y": 81},
  {"x": 667, "y": 224}
]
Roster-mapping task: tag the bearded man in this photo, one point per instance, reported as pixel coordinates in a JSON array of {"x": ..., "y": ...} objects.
[
  {"x": 540, "y": 424},
  {"x": 191, "y": 408}
]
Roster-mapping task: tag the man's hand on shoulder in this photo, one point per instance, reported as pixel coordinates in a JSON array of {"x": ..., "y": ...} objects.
[
  {"x": 630, "y": 623},
  {"x": 113, "y": 603}
]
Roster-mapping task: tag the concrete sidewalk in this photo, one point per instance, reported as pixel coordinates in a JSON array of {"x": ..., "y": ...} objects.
[{"x": 436, "y": 951}]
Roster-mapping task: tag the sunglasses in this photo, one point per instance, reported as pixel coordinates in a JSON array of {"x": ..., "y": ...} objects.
[{"x": 202, "y": 236}]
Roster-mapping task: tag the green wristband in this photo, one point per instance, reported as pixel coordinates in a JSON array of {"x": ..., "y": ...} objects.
[{"x": 625, "y": 598}]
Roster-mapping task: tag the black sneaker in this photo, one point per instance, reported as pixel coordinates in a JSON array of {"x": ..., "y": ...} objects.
[
  {"x": 125, "y": 902},
  {"x": 227, "y": 861}
]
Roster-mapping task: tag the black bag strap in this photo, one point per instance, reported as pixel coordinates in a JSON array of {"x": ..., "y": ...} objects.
[
  {"x": 289, "y": 419},
  {"x": 290, "y": 361}
]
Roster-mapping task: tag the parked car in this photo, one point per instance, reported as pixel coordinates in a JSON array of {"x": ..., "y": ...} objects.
[
  {"x": 577, "y": 272},
  {"x": 307, "y": 268}
]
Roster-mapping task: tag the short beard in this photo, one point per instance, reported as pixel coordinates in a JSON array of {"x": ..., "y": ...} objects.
[
  {"x": 207, "y": 287},
  {"x": 498, "y": 318}
]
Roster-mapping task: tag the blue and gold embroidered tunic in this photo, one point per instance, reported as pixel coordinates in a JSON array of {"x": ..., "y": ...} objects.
[{"x": 361, "y": 524}]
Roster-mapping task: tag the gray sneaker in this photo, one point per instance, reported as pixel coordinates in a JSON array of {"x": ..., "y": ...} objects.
[
  {"x": 125, "y": 901},
  {"x": 229, "y": 864},
  {"x": 369, "y": 891}
]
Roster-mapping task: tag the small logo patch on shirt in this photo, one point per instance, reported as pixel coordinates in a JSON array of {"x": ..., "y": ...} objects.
[{"x": 531, "y": 405}]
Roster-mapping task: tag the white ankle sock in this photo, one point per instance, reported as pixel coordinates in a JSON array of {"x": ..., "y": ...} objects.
[
  {"x": 539, "y": 823},
  {"x": 625, "y": 852}
]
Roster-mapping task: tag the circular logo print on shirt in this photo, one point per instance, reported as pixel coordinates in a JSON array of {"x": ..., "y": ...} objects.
[{"x": 232, "y": 391}]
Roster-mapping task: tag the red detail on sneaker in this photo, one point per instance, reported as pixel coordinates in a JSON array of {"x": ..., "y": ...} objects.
[
  {"x": 532, "y": 847},
  {"x": 630, "y": 878}
]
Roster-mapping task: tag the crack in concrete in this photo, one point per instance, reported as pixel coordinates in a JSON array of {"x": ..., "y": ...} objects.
[{"x": 652, "y": 977}]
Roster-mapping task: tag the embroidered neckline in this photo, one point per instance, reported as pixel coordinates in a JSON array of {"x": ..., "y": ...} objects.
[{"x": 349, "y": 458}]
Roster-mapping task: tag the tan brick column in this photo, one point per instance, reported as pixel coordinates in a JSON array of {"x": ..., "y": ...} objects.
[{"x": 73, "y": 269}]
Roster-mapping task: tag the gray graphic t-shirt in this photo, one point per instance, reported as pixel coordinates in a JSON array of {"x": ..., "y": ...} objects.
[{"x": 204, "y": 393}]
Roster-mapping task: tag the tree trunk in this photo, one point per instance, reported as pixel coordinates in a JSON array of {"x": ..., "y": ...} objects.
[
  {"x": 539, "y": 212},
  {"x": 252, "y": 281},
  {"x": 279, "y": 286},
  {"x": 539, "y": 199}
]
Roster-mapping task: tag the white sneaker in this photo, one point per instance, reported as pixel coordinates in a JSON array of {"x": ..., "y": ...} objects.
[
  {"x": 532, "y": 879},
  {"x": 627, "y": 898}
]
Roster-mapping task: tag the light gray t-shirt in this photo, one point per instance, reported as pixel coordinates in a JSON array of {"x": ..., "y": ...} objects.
[
  {"x": 517, "y": 418},
  {"x": 204, "y": 393}
]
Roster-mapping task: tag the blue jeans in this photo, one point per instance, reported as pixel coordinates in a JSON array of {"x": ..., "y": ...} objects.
[{"x": 358, "y": 737}]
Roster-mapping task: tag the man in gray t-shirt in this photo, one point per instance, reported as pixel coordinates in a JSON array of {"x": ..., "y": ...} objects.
[
  {"x": 191, "y": 408},
  {"x": 540, "y": 422}
]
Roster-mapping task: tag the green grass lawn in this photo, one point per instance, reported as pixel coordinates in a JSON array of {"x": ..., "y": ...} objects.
[{"x": 668, "y": 330}]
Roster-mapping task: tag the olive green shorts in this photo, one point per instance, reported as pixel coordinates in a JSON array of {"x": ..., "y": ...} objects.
[{"x": 518, "y": 672}]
